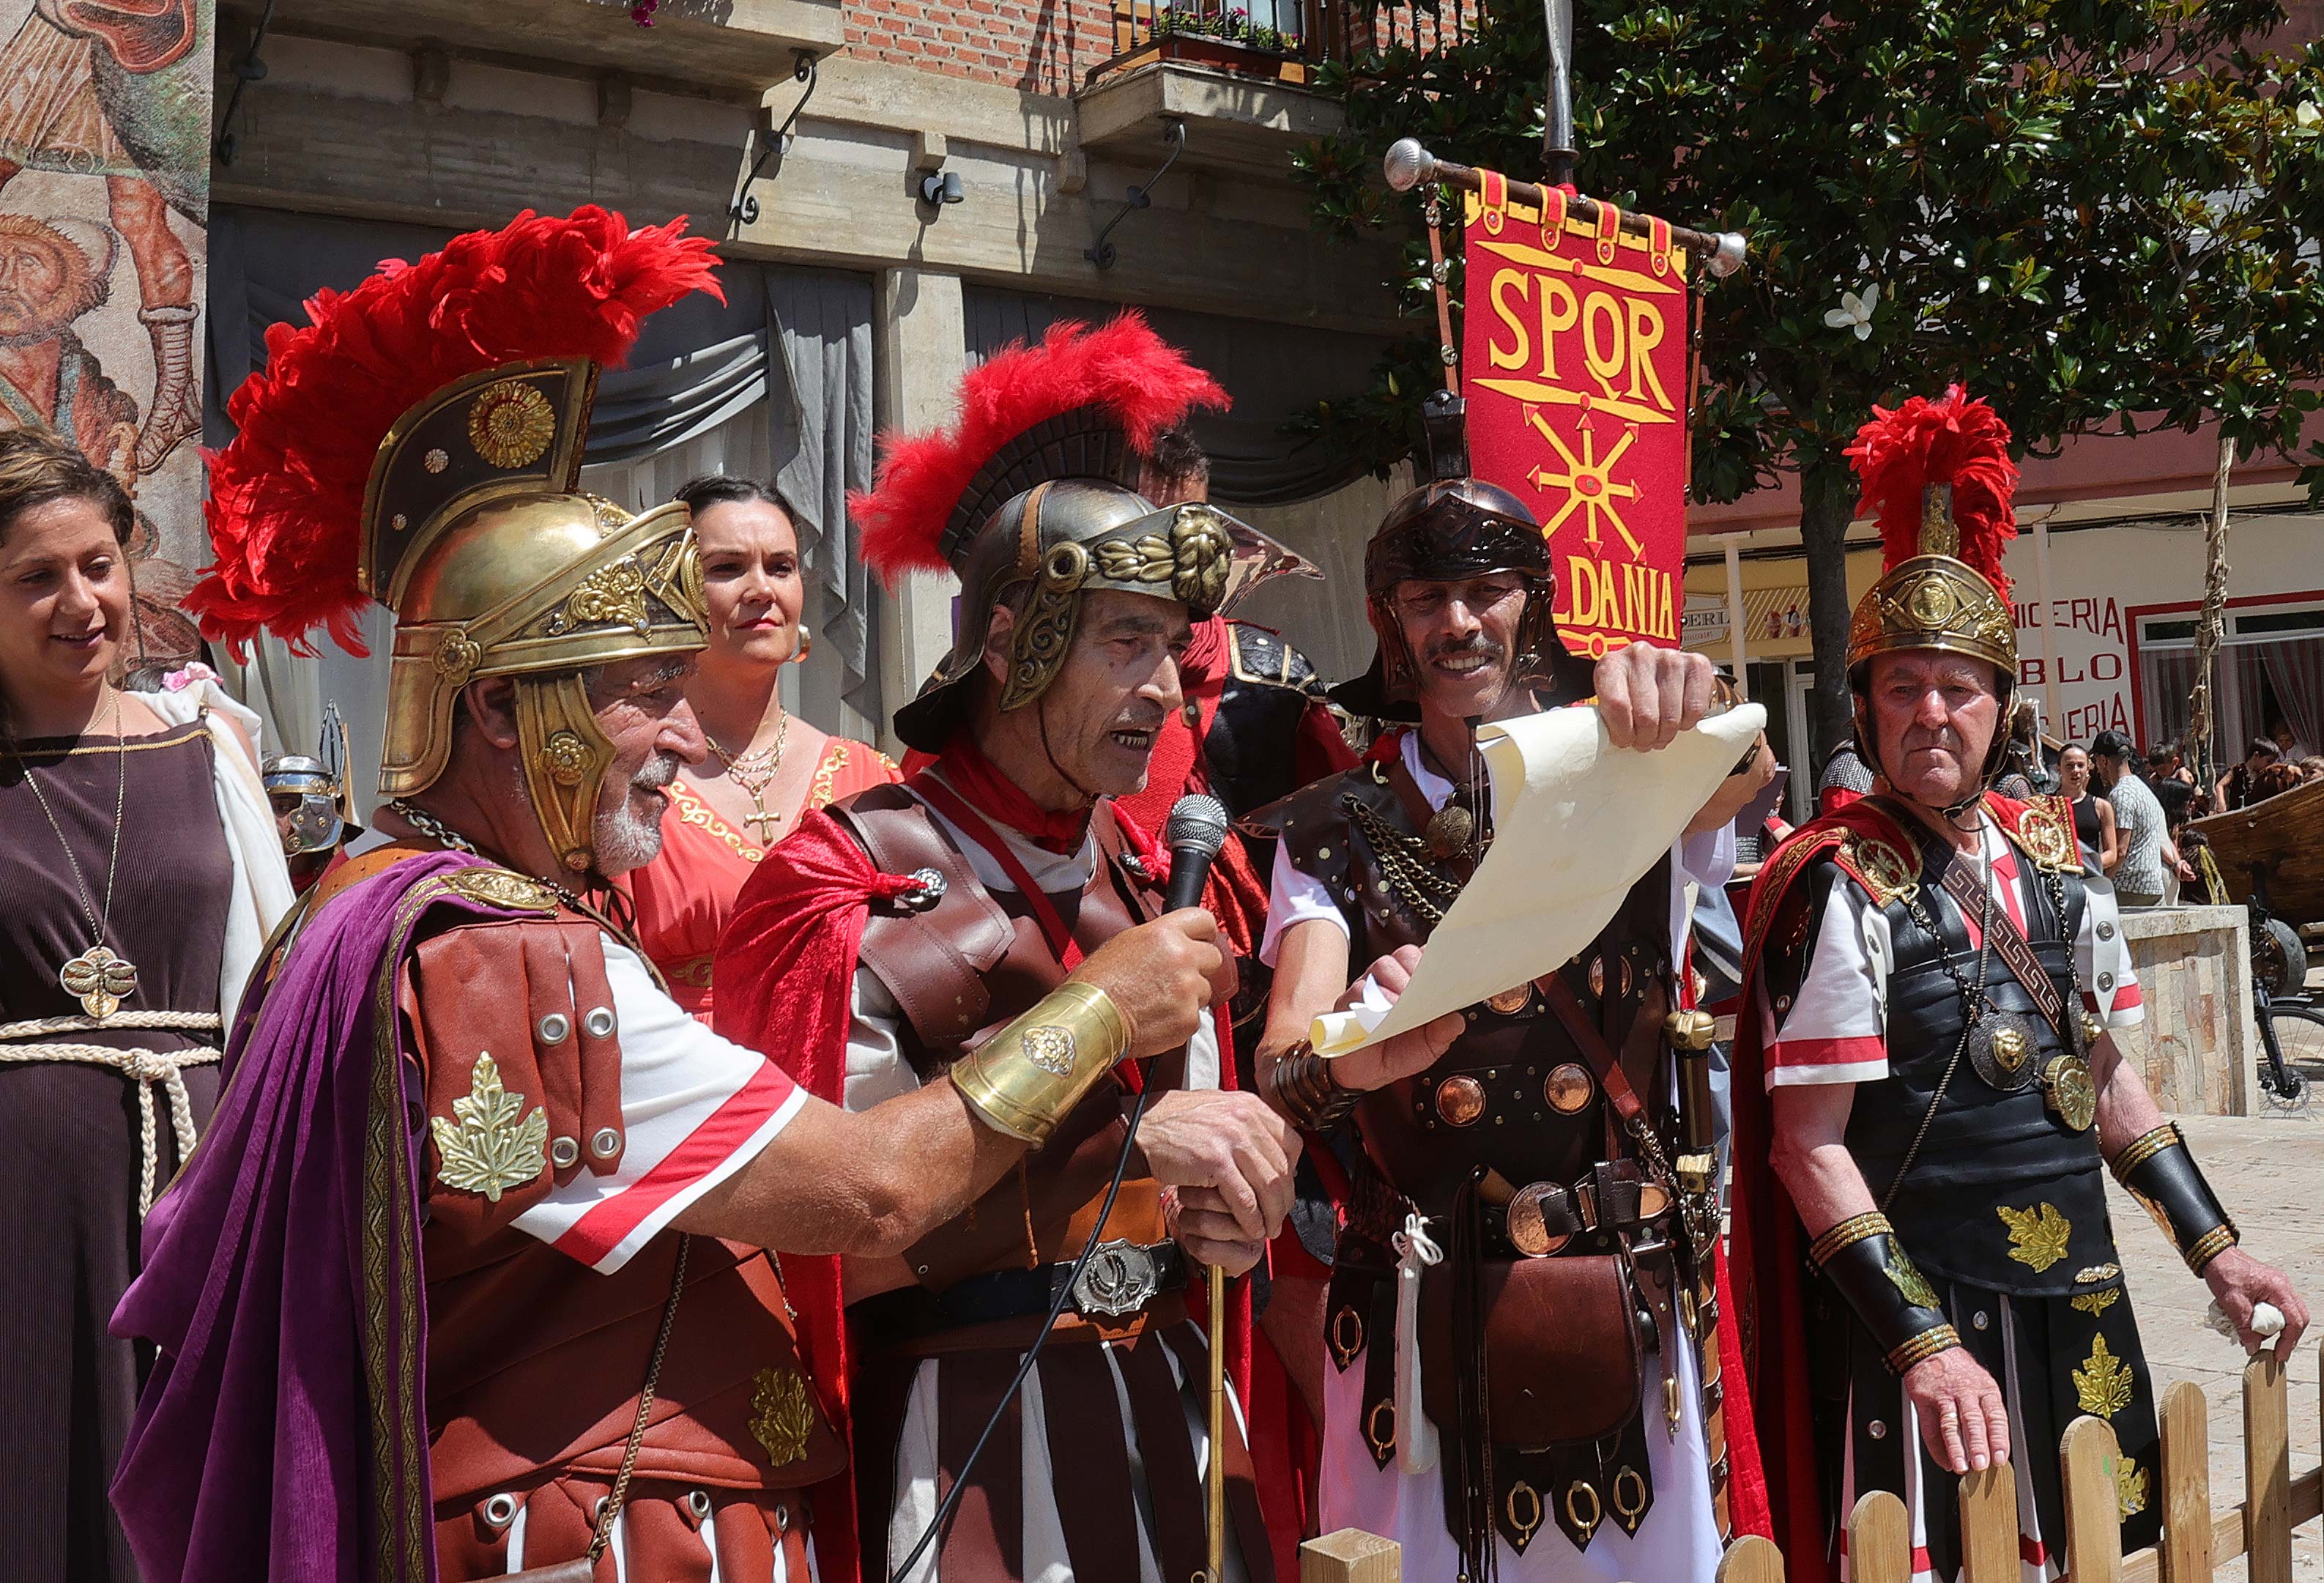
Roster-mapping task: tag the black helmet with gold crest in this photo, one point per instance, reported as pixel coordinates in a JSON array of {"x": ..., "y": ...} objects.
[{"x": 420, "y": 443}]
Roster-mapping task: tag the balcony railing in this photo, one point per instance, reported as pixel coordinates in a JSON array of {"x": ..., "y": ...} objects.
[{"x": 1285, "y": 40}]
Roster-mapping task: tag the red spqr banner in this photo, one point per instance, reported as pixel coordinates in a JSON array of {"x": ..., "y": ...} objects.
[{"x": 1574, "y": 357}]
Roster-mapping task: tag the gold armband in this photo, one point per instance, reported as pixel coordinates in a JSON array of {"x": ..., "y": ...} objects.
[{"x": 1024, "y": 1079}]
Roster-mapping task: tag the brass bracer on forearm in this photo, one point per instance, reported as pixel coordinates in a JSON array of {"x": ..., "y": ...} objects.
[
  {"x": 1862, "y": 1257},
  {"x": 1024, "y": 1080},
  {"x": 2160, "y": 1171}
]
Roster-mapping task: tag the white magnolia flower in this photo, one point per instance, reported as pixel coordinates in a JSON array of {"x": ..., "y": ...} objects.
[{"x": 1855, "y": 312}]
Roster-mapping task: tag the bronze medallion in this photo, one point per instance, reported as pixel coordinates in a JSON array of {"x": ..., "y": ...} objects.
[
  {"x": 2073, "y": 1096},
  {"x": 1510, "y": 1002},
  {"x": 1449, "y": 830},
  {"x": 1528, "y": 1227},
  {"x": 1460, "y": 1101},
  {"x": 2001, "y": 1048},
  {"x": 2047, "y": 838},
  {"x": 1568, "y": 1087}
]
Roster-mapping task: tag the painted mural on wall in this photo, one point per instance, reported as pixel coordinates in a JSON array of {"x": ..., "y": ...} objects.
[{"x": 105, "y": 122}]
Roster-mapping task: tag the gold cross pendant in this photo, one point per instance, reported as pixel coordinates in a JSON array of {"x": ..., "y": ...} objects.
[{"x": 762, "y": 825}]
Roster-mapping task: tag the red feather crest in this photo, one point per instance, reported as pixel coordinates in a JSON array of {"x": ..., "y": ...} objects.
[
  {"x": 1141, "y": 381},
  {"x": 286, "y": 497},
  {"x": 1951, "y": 440}
]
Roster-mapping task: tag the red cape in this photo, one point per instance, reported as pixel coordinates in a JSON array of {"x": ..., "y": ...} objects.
[
  {"x": 1766, "y": 1244},
  {"x": 787, "y": 959}
]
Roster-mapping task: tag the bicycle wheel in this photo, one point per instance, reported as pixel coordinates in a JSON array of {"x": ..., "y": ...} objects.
[{"x": 2299, "y": 1034}]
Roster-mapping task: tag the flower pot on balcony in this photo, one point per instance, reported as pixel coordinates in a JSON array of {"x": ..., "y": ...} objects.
[{"x": 1221, "y": 54}]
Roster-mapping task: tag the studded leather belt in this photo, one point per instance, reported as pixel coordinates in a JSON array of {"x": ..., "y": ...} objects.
[{"x": 1122, "y": 1278}]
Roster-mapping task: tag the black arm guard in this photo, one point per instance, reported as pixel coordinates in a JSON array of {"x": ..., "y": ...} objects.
[
  {"x": 1862, "y": 1258},
  {"x": 2160, "y": 1171}
]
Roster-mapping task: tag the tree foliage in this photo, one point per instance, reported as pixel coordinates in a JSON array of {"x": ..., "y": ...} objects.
[{"x": 2094, "y": 213}]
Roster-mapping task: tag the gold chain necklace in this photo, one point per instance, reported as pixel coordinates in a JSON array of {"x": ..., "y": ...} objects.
[
  {"x": 754, "y": 772},
  {"x": 99, "y": 979}
]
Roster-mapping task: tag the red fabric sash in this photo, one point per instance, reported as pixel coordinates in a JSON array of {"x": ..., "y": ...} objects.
[
  {"x": 979, "y": 780},
  {"x": 786, "y": 960}
]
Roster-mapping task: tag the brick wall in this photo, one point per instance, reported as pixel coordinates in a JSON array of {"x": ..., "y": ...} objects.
[{"x": 1040, "y": 46}]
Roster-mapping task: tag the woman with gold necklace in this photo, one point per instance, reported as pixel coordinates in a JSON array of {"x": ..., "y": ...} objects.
[
  {"x": 766, "y": 768},
  {"x": 142, "y": 874}
]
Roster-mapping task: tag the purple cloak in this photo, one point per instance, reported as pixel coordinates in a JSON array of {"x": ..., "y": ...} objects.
[{"x": 283, "y": 1433}]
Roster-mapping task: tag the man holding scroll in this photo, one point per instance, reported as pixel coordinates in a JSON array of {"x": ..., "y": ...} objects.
[{"x": 1521, "y": 1323}]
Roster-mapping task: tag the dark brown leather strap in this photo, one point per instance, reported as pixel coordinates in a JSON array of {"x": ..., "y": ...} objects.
[
  {"x": 1592, "y": 1044},
  {"x": 1091, "y": 1462},
  {"x": 986, "y": 1543},
  {"x": 1169, "y": 1452},
  {"x": 934, "y": 962},
  {"x": 2009, "y": 943}
]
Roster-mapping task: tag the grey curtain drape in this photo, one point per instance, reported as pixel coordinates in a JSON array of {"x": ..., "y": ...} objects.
[
  {"x": 795, "y": 343},
  {"x": 1274, "y": 371}
]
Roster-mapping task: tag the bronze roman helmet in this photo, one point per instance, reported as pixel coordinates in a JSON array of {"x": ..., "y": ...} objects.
[
  {"x": 1937, "y": 477},
  {"x": 420, "y": 444},
  {"x": 1032, "y": 502},
  {"x": 1453, "y": 526}
]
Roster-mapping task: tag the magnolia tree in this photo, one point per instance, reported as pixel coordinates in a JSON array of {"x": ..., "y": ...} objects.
[{"x": 2092, "y": 214}]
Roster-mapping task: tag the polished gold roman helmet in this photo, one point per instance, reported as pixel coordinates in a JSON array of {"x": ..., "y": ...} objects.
[
  {"x": 420, "y": 443},
  {"x": 1937, "y": 477},
  {"x": 494, "y": 566}
]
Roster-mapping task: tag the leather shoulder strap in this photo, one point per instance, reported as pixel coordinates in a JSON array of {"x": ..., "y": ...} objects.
[{"x": 933, "y": 961}]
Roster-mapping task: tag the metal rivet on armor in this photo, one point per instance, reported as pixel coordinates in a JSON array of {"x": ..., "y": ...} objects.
[
  {"x": 563, "y": 1152},
  {"x": 1783, "y": 1004},
  {"x": 598, "y": 1023},
  {"x": 921, "y": 1270},
  {"x": 2105, "y": 932},
  {"x": 1980, "y": 1320},
  {"x": 553, "y": 1028},
  {"x": 501, "y": 1510},
  {"x": 1567, "y": 1088},
  {"x": 605, "y": 1144},
  {"x": 697, "y": 1501},
  {"x": 1460, "y": 1100},
  {"x": 1876, "y": 1429},
  {"x": 1322, "y": 851},
  {"x": 2106, "y": 981},
  {"x": 782, "y": 1519},
  {"x": 928, "y": 887},
  {"x": 1471, "y": 1014}
]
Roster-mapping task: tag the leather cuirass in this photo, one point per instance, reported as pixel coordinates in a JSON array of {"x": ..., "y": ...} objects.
[
  {"x": 1986, "y": 1150},
  {"x": 1514, "y": 1092}
]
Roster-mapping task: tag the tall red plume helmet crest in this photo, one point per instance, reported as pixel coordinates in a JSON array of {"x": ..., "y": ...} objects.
[
  {"x": 419, "y": 443},
  {"x": 1937, "y": 477},
  {"x": 1033, "y": 491}
]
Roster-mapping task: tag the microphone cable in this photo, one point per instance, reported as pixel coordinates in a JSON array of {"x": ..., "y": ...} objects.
[{"x": 942, "y": 1519}]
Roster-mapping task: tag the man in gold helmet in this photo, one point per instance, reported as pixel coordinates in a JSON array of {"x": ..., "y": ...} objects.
[
  {"x": 467, "y": 1283},
  {"x": 1928, "y": 1085}
]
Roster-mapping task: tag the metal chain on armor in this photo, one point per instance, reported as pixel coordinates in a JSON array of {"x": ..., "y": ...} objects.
[
  {"x": 1417, "y": 883},
  {"x": 1973, "y": 1001}
]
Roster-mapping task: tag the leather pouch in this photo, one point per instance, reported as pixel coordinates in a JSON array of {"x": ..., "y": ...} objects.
[{"x": 1563, "y": 1355}]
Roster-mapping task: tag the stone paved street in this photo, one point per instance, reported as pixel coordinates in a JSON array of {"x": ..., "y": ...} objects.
[{"x": 2269, "y": 1169}]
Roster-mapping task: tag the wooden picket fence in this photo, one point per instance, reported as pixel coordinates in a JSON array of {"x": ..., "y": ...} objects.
[{"x": 2197, "y": 1541}]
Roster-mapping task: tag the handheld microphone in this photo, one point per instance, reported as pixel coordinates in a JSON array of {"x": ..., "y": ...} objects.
[{"x": 1196, "y": 829}]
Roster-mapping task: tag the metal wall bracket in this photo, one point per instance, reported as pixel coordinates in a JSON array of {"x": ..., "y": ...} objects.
[
  {"x": 745, "y": 207},
  {"x": 1103, "y": 253}
]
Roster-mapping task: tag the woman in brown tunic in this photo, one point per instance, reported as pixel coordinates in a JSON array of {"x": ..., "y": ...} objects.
[{"x": 120, "y": 876}]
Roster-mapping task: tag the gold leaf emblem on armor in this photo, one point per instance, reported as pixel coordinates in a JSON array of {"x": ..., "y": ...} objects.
[
  {"x": 782, "y": 1414},
  {"x": 488, "y": 1144},
  {"x": 1908, "y": 1277},
  {"x": 501, "y": 887},
  {"x": 2090, "y": 1274},
  {"x": 2129, "y": 1488},
  {"x": 1050, "y": 1047},
  {"x": 2037, "y": 1236},
  {"x": 511, "y": 424},
  {"x": 2102, "y": 1384},
  {"x": 2048, "y": 839},
  {"x": 1887, "y": 871},
  {"x": 2095, "y": 1303},
  {"x": 615, "y": 593}
]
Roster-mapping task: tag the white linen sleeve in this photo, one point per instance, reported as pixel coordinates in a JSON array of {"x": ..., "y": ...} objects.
[
  {"x": 877, "y": 1068},
  {"x": 696, "y": 1108},
  {"x": 1834, "y": 1030},
  {"x": 1294, "y": 896}
]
